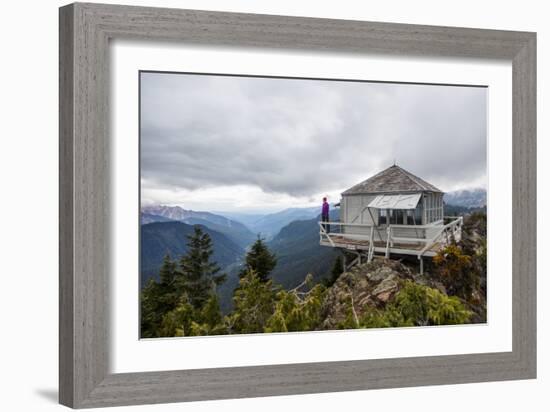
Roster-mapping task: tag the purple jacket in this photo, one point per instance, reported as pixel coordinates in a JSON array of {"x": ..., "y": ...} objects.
[{"x": 324, "y": 210}]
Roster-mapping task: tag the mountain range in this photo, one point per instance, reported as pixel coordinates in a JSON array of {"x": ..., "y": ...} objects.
[
  {"x": 161, "y": 238},
  {"x": 149, "y": 218},
  {"x": 472, "y": 198},
  {"x": 299, "y": 253},
  {"x": 268, "y": 225},
  {"x": 234, "y": 230}
]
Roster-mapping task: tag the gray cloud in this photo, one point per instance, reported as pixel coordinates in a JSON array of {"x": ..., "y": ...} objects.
[{"x": 303, "y": 137}]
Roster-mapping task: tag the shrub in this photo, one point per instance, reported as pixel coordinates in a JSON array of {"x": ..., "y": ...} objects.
[
  {"x": 416, "y": 305},
  {"x": 456, "y": 271},
  {"x": 297, "y": 311}
]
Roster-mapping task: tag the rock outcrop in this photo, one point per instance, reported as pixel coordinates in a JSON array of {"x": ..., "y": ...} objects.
[{"x": 369, "y": 285}]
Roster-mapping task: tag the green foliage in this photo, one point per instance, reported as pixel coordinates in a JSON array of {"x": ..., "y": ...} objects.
[
  {"x": 480, "y": 263},
  {"x": 184, "y": 302},
  {"x": 177, "y": 322},
  {"x": 254, "y": 302},
  {"x": 481, "y": 255},
  {"x": 423, "y": 305},
  {"x": 297, "y": 311},
  {"x": 474, "y": 244},
  {"x": 417, "y": 305},
  {"x": 391, "y": 317},
  {"x": 456, "y": 271},
  {"x": 351, "y": 321},
  {"x": 198, "y": 276},
  {"x": 158, "y": 298},
  {"x": 210, "y": 313},
  {"x": 185, "y": 320},
  {"x": 261, "y": 307},
  {"x": 209, "y": 321},
  {"x": 476, "y": 223},
  {"x": 260, "y": 260}
]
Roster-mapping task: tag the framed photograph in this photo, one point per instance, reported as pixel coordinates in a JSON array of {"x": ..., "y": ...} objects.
[{"x": 258, "y": 205}]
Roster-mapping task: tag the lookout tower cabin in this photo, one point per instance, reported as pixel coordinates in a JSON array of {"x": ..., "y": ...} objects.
[{"x": 392, "y": 213}]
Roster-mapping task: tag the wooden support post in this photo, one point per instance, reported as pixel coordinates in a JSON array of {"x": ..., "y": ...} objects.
[
  {"x": 344, "y": 267},
  {"x": 421, "y": 265},
  {"x": 388, "y": 240}
]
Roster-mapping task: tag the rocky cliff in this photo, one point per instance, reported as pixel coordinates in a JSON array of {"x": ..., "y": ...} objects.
[{"x": 368, "y": 286}]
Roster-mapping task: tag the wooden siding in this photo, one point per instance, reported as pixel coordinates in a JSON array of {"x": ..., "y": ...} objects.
[{"x": 354, "y": 209}]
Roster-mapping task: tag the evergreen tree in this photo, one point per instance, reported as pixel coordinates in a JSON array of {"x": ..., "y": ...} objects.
[
  {"x": 254, "y": 304},
  {"x": 210, "y": 320},
  {"x": 296, "y": 310},
  {"x": 198, "y": 276},
  {"x": 158, "y": 298},
  {"x": 260, "y": 260},
  {"x": 211, "y": 314},
  {"x": 185, "y": 320},
  {"x": 178, "y": 322}
]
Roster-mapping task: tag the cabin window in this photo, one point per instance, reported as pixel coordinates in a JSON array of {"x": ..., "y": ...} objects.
[
  {"x": 396, "y": 216},
  {"x": 434, "y": 207},
  {"x": 382, "y": 219},
  {"x": 418, "y": 214},
  {"x": 410, "y": 217}
]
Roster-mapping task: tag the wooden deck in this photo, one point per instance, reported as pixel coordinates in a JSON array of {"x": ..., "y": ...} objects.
[
  {"x": 380, "y": 247},
  {"x": 420, "y": 241}
]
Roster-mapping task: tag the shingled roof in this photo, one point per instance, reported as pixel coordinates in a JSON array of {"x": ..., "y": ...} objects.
[{"x": 394, "y": 179}]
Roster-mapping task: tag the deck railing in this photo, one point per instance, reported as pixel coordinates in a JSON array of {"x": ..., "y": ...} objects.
[{"x": 392, "y": 236}]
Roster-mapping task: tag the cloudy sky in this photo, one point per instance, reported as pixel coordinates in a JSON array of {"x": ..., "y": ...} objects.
[{"x": 222, "y": 143}]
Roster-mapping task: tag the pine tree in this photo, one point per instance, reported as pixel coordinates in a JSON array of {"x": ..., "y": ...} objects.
[
  {"x": 158, "y": 298},
  {"x": 297, "y": 310},
  {"x": 210, "y": 320},
  {"x": 211, "y": 314},
  {"x": 254, "y": 304},
  {"x": 260, "y": 260},
  {"x": 198, "y": 275},
  {"x": 185, "y": 320}
]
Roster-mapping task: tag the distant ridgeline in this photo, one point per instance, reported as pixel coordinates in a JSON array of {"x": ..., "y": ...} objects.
[
  {"x": 468, "y": 199},
  {"x": 299, "y": 253},
  {"x": 161, "y": 238},
  {"x": 236, "y": 231}
]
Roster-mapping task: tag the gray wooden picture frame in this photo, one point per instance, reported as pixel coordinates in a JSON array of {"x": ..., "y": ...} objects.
[{"x": 85, "y": 31}]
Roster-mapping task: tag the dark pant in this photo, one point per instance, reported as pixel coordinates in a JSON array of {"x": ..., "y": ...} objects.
[{"x": 324, "y": 218}]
